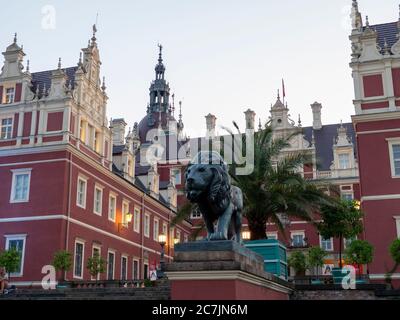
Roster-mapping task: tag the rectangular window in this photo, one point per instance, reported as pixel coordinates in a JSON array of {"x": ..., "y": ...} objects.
[
  {"x": 125, "y": 211},
  {"x": 78, "y": 260},
  {"x": 17, "y": 243},
  {"x": 136, "y": 220},
  {"x": 156, "y": 228},
  {"x": 185, "y": 238},
  {"x": 110, "y": 265},
  {"x": 6, "y": 126},
  {"x": 195, "y": 214},
  {"x": 81, "y": 193},
  {"x": 171, "y": 236},
  {"x": 124, "y": 268},
  {"x": 96, "y": 252},
  {"x": 396, "y": 159},
  {"x": 298, "y": 239},
  {"x": 112, "y": 207},
  {"x": 272, "y": 235},
  {"x": 98, "y": 201},
  {"x": 178, "y": 237},
  {"x": 165, "y": 229},
  {"x": 347, "y": 242},
  {"x": 10, "y": 95},
  {"x": 20, "y": 185},
  {"x": 326, "y": 244},
  {"x": 145, "y": 270},
  {"x": 344, "y": 161},
  {"x": 176, "y": 173},
  {"x": 347, "y": 196},
  {"x": 135, "y": 269},
  {"x": 97, "y": 142},
  {"x": 146, "y": 225},
  {"x": 82, "y": 133},
  {"x": 398, "y": 226}
]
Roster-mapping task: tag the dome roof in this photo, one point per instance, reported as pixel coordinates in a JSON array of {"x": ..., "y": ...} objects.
[{"x": 151, "y": 121}]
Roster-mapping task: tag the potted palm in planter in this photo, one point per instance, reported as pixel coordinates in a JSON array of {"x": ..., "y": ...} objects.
[
  {"x": 96, "y": 266},
  {"x": 298, "y": 262},
  {"x": 315, "y": 261},
  {"x": 62, "y": 262}
]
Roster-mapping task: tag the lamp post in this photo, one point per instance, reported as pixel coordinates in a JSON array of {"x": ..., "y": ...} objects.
[
  {"x": 162, "y": 240},
  {"x": 127, "y": 220}
]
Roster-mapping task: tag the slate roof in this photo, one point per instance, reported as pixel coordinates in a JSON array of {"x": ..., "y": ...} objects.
[
  {"x": 386, "y": 31},
  {"x": 324, "y": 142},
  {"x": 39, "y": 79}
]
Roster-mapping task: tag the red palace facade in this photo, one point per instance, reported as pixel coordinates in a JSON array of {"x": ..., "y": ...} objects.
[
  {"x": 69, "y": 177},
  {"x": 60, "y": 189}
]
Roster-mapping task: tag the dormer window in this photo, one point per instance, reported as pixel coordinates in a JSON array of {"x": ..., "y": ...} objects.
[
  {"x": 10, "y": 95},
  {"x": 344, "y": 161}
]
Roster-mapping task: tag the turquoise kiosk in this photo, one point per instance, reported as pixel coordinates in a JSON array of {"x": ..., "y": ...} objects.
[{"x": 274, "y": 254}]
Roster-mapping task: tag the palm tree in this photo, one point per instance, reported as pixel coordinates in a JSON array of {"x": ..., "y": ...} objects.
[{"x": 276, "y": 186}]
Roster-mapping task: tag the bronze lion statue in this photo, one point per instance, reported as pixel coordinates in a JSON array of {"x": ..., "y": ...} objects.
[{"x": 208, "y": 185}]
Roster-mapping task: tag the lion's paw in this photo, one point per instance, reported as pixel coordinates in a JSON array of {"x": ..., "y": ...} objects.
[{"x": 217, "y": 236}]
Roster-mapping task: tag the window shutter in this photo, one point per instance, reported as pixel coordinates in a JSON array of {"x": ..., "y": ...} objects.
[
  {"x": 18, "y": 91},
  {"x": 1, "y": 94}
]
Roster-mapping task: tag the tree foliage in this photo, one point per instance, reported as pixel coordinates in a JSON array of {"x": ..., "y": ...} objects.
[
  {"x": 315, "y": 257},
  {"x": 360, "y": 252},
  {"x": 298, "y": 261},
  {"x": 10, "y": 259},
  {"x": 96, "y": 265},
  {"x": 62, "y": 261},
  {"x": 394, "y": 250}
]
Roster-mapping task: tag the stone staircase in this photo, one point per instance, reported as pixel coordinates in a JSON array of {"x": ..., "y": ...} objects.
[{"x": 161, "y": 291}]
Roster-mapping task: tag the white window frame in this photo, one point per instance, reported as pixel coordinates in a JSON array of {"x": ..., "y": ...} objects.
[
  {"x": 146, "y": 263},
  {"x": 135, "y": 259},
  {"x": 165, "y": 229},
  {"x": 391, "y": 142},
  {"x": 17, "y": 237},
  {"x": 344, "y": 242},
  {"x": 124, "y": 211},
  {"x": 146, "y": 225},
  {"x": 108, "y": 264},
  {"x": 397, "y": 218},
  {"x": 348, "y": 160},
  {"x": 7, "y": 94},
  {"x": 98, "y": 247},
  {"x": 185, "y": 238},
  {"x": 98, "y": 188},
  {"x": 5, "y": 117},
  {"x": 174, "y": 172},
  {"x": 82, "y": 242},
  {"x": 274, "y": 235},
  {"x": 85, "y": 180},
  {"x": 156, "y": 228},
  {"x": 178, "y": 236},
  {"x": 113, "y": 196},
  {"x": 136, "y": 220},
  {"x": 346, "y": 193},
  {"x": 197, "y": 216},
  {"x": 297, "y": 233},
  {"x": 332, "y": 244},
  {"x": 17, "y": 172},
  {"x": 126, "y": 267}
]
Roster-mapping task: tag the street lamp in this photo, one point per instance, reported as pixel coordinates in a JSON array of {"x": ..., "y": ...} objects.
[
  {"x": 127, "y": 221},
  {"x": 162, "y": 240},
  {"x": 177, "y": 240}
]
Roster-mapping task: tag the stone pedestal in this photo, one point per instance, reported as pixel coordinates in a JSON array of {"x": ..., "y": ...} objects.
[{"x": 222, "y": 270}]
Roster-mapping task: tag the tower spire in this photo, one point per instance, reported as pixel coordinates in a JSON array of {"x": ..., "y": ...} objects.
[{"x": 15, "y": 38}]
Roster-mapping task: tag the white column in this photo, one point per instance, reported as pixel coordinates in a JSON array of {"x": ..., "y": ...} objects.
[
  {"x": 20, "y": 127},
  {"x": 33, "y": 125}
]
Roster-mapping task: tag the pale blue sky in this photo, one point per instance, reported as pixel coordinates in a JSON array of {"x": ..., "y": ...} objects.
[{"x": 222, "y": 56}]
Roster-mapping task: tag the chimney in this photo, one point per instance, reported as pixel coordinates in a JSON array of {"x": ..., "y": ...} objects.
[
  {"x": 118, "y": 131},
  {"x": 211, "y": 121},
  {"x": 316, "y": 109},
  {"x": 250, "y": 119}
]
